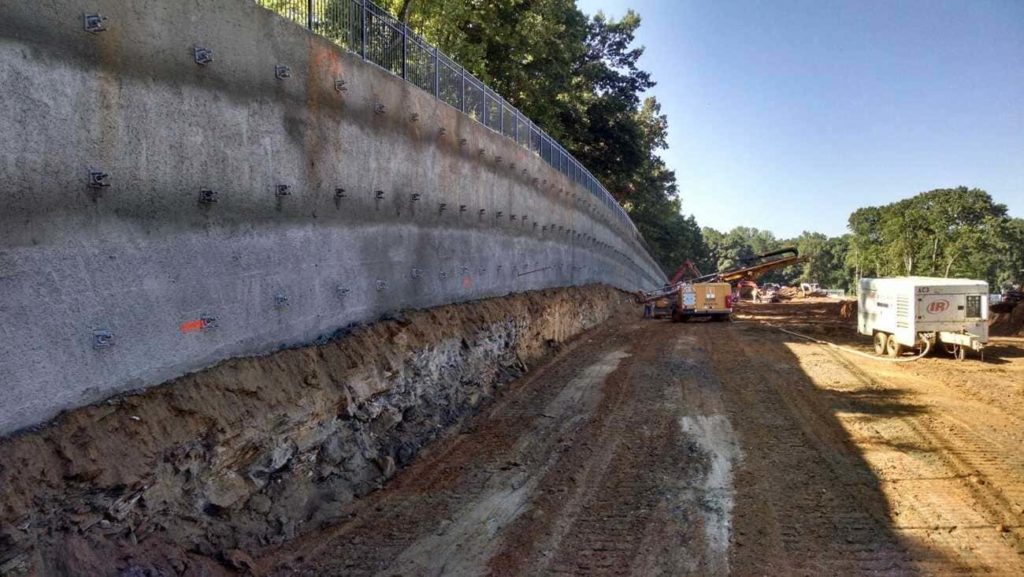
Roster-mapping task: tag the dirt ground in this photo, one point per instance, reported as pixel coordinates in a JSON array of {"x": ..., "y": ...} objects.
[{"x": 653, "y": 448}]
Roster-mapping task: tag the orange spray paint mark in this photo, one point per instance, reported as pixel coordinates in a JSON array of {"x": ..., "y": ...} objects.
[
  {"x": 467, "y": 282},
  {"x": 193, "y": 326}
]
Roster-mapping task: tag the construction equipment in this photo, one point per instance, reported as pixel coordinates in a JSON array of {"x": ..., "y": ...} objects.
[
  {"x": 768, "y": 293},
  {"x": 712, "y": 300},
  {"x": 1012, "y": 296},
  {"x": 752, "y": 268},
  {"x": 669, "y": 298},
  {"x": 686, "y": 267},
  {"x": 662, "y": 301},
  {"x": 917, "y": 312}
]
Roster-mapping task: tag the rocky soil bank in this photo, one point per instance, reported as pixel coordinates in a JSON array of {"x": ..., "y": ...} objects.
[
  {"x": 1008, "y": 321},
  {"x": 184, "y": 478}
]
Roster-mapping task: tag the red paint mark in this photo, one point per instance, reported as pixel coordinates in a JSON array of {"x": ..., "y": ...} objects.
[
  {"x": 936, "y": 307},
  {"x": 193, "y": 326},
  {"x": 467, "y": 282}
]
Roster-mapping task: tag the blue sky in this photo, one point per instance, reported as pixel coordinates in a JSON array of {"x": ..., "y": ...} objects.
[{"x": 788, "y": 115}]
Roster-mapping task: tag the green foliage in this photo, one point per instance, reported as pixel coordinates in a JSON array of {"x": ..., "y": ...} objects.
[
  {"x": 949, "y": 232},
  {"x": 952, "y": 232},
  {"x": 825, "y": 260},
  {"x": 1011, "y": 266},
  {"x": 579, "y": 80},
  {"x": 727, "y": 250}
]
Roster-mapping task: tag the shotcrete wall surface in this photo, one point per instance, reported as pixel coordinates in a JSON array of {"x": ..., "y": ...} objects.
[{"x": 394, "y": 200}]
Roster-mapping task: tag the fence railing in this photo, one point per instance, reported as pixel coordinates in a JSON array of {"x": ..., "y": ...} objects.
[{"x": 368, "y": 30}]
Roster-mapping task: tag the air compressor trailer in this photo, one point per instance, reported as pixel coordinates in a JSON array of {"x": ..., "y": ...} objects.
[{"x": 904, "y": 313}]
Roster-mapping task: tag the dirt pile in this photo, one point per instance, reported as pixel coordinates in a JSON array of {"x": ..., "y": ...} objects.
[
  {"x": 1007, "y": 324},
  {"x": 813, "y": 315},
  {"x": 253, "y": 451},
  {"x": 788, "y": 293},
  {"x": 848, "y": 309}
]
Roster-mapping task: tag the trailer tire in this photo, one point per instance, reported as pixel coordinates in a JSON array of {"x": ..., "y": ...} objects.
[
  {"x": 893, "y": 348},
  {"x": 881, "y": 340}
]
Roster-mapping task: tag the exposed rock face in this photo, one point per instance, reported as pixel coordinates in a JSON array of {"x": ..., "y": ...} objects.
[{"x": 253, "y": 451}]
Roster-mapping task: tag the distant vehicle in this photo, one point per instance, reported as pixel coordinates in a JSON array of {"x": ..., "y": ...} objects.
[
  {"x": 1007, "y": 300},
  {"x": 1012, "y": 296},
  {"x": 767, "y": 293},
  {"x": 906, "y": 312},
  {"x": 811, "y": 289}
]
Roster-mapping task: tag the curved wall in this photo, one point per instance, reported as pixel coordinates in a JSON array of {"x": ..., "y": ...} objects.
[{"x": 395, "y": 200}]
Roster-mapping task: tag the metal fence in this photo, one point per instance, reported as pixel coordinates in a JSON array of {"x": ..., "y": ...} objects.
[{"x": 366, "y": 29}]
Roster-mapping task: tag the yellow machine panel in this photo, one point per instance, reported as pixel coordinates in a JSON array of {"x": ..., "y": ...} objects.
[{"x": 712, "y": 299}]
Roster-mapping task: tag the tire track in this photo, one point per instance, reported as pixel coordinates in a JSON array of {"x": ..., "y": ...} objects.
[{"x": 820, "y": 511}]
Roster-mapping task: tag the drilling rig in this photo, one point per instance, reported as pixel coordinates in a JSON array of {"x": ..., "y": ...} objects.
[{"x": 711, "y": 295}]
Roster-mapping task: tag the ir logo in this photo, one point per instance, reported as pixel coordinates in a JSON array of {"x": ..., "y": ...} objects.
[{"x": 936, "y": 307}]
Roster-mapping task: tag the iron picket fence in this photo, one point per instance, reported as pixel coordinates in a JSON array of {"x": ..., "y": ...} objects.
[{"x": 362, "y": 27}]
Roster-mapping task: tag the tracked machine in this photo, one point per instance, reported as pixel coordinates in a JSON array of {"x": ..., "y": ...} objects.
[{"x": 711, "y": 295}]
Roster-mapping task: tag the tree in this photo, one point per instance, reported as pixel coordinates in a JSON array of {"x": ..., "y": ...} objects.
[
  {"x": 1011, "y": 267},
  {"x": 579, "y": 79},
  {"x": 943, "y": 232}
]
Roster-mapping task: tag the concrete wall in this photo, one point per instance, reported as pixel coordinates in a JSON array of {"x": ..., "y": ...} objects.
[{"x": 143, "y": 257}]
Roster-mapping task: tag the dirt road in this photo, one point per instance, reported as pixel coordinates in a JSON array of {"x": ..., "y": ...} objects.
[{"x": 652, "y": 448}]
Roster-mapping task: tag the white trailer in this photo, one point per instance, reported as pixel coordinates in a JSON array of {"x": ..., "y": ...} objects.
[{"x": 906, "y": 312}]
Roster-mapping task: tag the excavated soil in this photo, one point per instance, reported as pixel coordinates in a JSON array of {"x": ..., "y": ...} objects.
[
  {"x": 184, "y": 478},
  {"x": 818, "y": 316},
  {"x": 637, "y": 448},
  {"x": 652, "y": 448},
  {"x": 1009, "y": 323}
]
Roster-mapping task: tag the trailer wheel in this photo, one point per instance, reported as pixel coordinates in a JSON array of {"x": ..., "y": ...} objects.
[
  {"x": 894, "y": 348},
  {"x": 881, "y": 339}
]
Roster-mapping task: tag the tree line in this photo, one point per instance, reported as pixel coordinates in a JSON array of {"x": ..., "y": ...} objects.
[{"x": 949, "y": 232}]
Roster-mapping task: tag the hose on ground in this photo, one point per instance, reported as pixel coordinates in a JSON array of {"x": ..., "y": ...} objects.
[{"x": 927, "y": 347}]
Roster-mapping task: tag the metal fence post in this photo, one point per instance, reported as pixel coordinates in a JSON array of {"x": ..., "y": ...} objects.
[
  {"x": 437, "y": 75},
  {"x": 405, "y": 51},
  {"x": 362, "y": 29},
  {"x": 309, "y": 14},
  {"x": 463, "y": 90}
]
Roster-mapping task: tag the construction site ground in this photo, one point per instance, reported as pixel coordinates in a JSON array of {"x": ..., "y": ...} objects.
[{"x": 646, "y": 447}]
